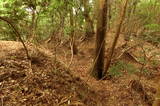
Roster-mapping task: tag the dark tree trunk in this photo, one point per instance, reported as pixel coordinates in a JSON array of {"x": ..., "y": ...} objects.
[
  {"x": 98, "y": 67},
  {"x": 109, "y": 14}
]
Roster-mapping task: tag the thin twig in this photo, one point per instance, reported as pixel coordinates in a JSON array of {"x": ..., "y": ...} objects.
[
  {"x": 72, "y": 56},
  {"x": 126, "y": 50},
  {"x": 145, "y": 63}
]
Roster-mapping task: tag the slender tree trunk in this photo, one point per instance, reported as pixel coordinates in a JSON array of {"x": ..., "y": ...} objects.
[
  {"x": 109, "y": 14},
  {"x": 62, "y": 25},
  {"x": 130, "y": 22},
  {"x": 72, "y": 40},
  {"x": 33, "y": 26},
  {"x": 116, "y": 38},
  {"x": 89, "y": 27},
  {"x": 98, "y": 67}
]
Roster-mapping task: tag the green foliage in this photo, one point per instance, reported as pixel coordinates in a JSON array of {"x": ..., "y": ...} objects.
[
  {"x": 142, "y": 60},
  {"x": 144, "y": 72},
  {"x": 153, "y": 33},
  {"x": 115, "y": 70},
  {"x": 152, "y": 38},
  {"x": 53, "y": 16},
  {"x": 153, "y": 27},
  {"x": 154, "y": 62},
  {"x": 120, "y": 68},
  {"x": 50, "y": 16},
  {"x": 148, "y": 12}
]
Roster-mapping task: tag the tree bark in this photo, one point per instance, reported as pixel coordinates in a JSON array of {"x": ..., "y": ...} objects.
[
  {"x": 33, "y": 26},
  {"x": 129, "y": 27},
  {"x": 72, "y": 39},
  {"x": 115, "y": 39},
  {"x": 98, "y": 66},
  {"x": 89, "y": 27}
]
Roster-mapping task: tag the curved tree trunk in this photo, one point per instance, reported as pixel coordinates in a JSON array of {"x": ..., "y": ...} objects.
[{"x": 16, "y": 33}]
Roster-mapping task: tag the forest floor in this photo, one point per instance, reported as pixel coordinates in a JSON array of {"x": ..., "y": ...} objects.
[
  {"x": 39, "y": 81},
  {"x": 136, "y": 89},
  {"x": 48, "y": 81}
]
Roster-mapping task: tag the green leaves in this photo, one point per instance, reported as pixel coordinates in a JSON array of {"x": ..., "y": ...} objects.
[
  {"x": 152, "y": 26},
  {"x": 18, "y": 3},
  {"x": 120, "y": 68}
]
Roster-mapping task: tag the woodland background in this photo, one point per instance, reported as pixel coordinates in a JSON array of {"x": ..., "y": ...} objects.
[{"x": 109, "y": 46}]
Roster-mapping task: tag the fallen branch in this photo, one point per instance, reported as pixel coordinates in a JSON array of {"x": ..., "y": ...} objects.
[
  {"x": 126, "y": 51},
  {"x": 13, "y": 75},
  {"x": 72, "y": 55},
  {"x": 4, "y": 76}
]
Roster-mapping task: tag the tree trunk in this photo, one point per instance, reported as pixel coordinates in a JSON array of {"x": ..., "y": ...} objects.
[
  {"x": 98, "y": 67},
  {"x": 115, "y": 39},
  {"x": 33, "y": 26},
  {"x": 130, "y": 22},
  {"x": 109, "y": 14},
  {"x": 72, "y": 40},
  {"x": 89, "y": 27}
]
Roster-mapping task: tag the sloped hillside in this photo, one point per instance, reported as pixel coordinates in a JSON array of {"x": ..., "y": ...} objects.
[{"x": 40, "y": 81}]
